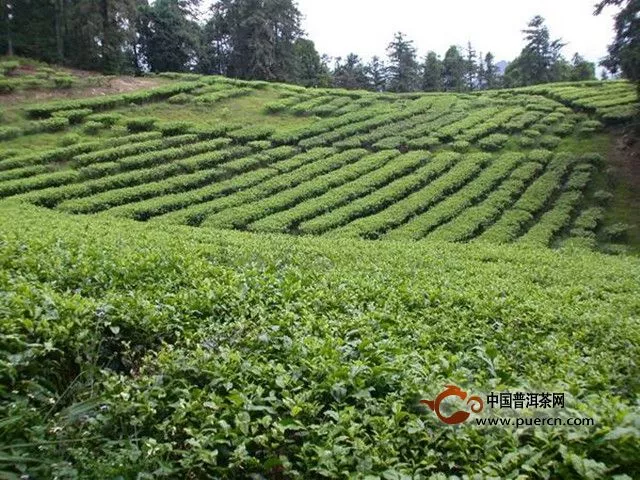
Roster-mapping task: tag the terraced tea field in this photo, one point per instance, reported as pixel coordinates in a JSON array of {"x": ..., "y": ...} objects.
[
  {"x": 521, "y": 165},
  {"x": 215, "y": 278}
]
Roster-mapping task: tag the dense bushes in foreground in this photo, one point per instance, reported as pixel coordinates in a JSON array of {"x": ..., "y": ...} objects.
[{"x": 134, "y": 352}]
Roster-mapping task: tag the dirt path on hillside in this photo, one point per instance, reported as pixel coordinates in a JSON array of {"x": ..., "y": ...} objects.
[
  {"x": 624, "y": 168},
  {"x": 102, "y": 86}
]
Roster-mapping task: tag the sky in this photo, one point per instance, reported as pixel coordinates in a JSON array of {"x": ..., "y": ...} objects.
[{"x": 366, "y": 27}]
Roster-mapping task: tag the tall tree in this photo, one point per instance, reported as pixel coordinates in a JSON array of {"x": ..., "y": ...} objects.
[
  {"x": 537, "y": 61},
  {"x": 624, "y": 52},
  {"x": 432, "y": 73},
  {"x": 256, "y": 37},
  {"x": 454, "y": 70},
  {"x": 308, "y": 69},
  {"x": 169, "y": 35},
  {"x": 377, "y": 74},
  {"x": 403, "y": 66},
  {"x": 351, "y": 74},
  {"x": 6, "y": 22},
  {"x": 481, "y": 75},
  {"x": 490, "y": 71},
  {"x": 582, "y": 69},
  {"x": 471, "y": 67}
]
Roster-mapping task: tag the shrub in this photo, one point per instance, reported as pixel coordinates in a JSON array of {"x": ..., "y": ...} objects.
[
  {"x": 7, "y": 133},
  {"x": 461, "y": 146},
  {"x": 140, "y": 124},
  {"x": 564, "y": 129},
  {"x": 74, "y": 116},
  {"x": 9, "y": 67},
  {"x": 70, "y": 139},
  {"x": 53, "y": 124},
  {"x": 494, "y": 141},
  {"x": 549, "y": 141},
  {"x": 7, "y": 86},
  {"x": 63, "y": 81},
  {"x": 617, "y": 231},
  {"x": 259, "y": 145},
  {"x": 531, "y": 133},
  {"x": 92, "y": 128},
  {"x": 526, "y": 142},
  {"x": 180, "y": 99},
  {"x": 603, "y": 197},
  {"x": 253, "y": 132},
  {"x": 390, "y": 143},
  {"x": 174, "y": 128}
]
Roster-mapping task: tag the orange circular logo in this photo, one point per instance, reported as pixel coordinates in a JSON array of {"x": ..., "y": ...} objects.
[{"x": 475, "y": 402}]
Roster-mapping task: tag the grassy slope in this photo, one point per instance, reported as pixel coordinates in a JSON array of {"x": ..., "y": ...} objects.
[{"x": 301, "y": 357}]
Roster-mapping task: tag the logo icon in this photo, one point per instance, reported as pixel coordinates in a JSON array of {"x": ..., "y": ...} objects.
[{"x": 475, "y": 402}]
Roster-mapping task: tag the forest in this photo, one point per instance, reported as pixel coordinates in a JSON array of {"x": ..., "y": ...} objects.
[{"x": 264, "y": 40}]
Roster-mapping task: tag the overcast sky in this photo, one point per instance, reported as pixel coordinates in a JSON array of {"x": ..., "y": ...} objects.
[{"x": 365, "y": 27}]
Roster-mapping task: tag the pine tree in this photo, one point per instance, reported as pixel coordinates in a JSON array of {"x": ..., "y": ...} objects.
[
  {"x": 539, "y": 61},
  {"x": 482, "y": 73},
  {"x": 377, "y": 74},
  {"x": 454, "y": 70},
  {"x": 490, "y": 72},
  {"x": 471, "y": 68},
  {"x": 624, "y": 52},
  {"x": 169, "y": 36},
  {"x": 254, "y": 39},
  {"x": 432, "y": 73},
  {"x": 403, "y": 67},
  {"x": 351, "y": 74},
  {"x": 308, "y": 68},
  {"x": 581, "y": 69}
]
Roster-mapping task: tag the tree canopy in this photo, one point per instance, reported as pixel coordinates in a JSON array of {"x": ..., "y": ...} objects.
[{"x": 263, "y": 40}]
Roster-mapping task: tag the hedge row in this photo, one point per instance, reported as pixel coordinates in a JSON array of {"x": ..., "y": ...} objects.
[
  {"x": 101, "y": 169},
  {"x": 109, "y": 101},
  {"x": 288, "y": 219},
  {"x": 192, "y": 204},
  {"x": 178, "y": 183},
  {"x": 453, "y": 205},
  {"x": 294, "y": 135},
  {"x": 532, "y": 201},
  {"x": 153, "y": 158},
  {"x": 259, "y": 159},
  {"x": 51, "y": 197},
  {"x": 345, "y": 166},
  {"x": 214, "y": 97},
  {"x": 417, "y": 202},
  {"x": 473, "y": 220},
  {"x": 497, "y": 122},
  {"x": 553, "y": 221},
  {"x": 129, "y": 149},
  {"x": 66, "y": 153},
  {"x": 384, "y": 196},
  {"x": 449, "y": 132},
  {"x": 392, "y": 116}
]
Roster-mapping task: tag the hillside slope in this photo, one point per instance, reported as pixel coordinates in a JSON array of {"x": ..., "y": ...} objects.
[{"x": 526, "y": 165}]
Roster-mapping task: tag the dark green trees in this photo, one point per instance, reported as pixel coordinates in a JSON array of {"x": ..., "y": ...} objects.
[
  {"x": 255, "y": 38},
  {"x": 454, "y": 69},
  {"x": 432, "y": 73},
  {"x": 169, "y": 35},
  {"x": 624, "y": 52},
  {"x": 403, "y": 66}
]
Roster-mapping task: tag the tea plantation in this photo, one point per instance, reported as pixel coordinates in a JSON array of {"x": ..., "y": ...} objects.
[{"x": 216, "y": 278}]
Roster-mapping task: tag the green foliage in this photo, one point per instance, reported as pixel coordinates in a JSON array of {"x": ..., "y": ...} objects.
[
  {"x": 92, "y": 127},
  {"x": 136, "y": 355},
  {"x": 495, "y": 141},
  {"x": 140, "y": 124}
]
